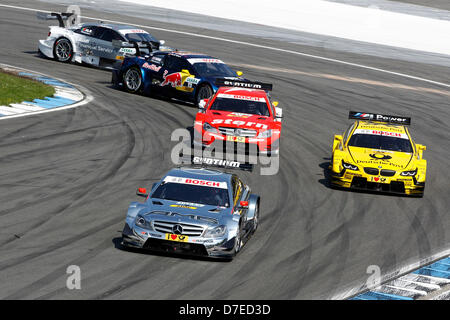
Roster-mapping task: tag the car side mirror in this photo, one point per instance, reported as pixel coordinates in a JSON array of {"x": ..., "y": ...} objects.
[
  {"x": 243, "y": 205},
  {"x": 161, "y": 42},
  {"x": 278, "y": 112},
  {"x": 202, "y": 104},
  {"x": 337, "y": 140},
  {"x": 239, "y": 73},
  {"x": 142, "y": 192},
  {"x": 421, "y": 147},
  {"x": 117, "y": 44}
]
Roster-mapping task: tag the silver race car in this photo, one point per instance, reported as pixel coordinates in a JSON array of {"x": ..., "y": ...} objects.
[
  {"x": 195, "y": 211},
  {"x": 98, "y": 44}
]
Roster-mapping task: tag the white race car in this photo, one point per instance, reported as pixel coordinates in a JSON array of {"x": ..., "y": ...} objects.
[{"x": 98, "y": 44}]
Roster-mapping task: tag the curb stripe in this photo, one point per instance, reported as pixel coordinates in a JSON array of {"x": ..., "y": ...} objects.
[
  {"x": 416, "y": 284},
  {"x": 66, "y": 95}
]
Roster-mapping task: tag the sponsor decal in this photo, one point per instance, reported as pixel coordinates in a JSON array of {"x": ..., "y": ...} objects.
[
  {"x": 90, "y": 48},
  {"x": 151, "y": 67},
  {"x": 376, "y": 162},
  {"x": 376, "y": 126},
  {"x": 183, "y": 206},
  {"x": 204, "y": 60},
  {"x": 156, "y": 59},
  {"x": 126, "y": 31},
  {"x": 241, "y": 84},
  {"x": 379, "y": 117},
  {"x": 198, "y": 182},
  {"x": 240, "y": 123},
  {"x": 236, "y": 139},
  {"x": 176, "y": 237},
  {"x": 240, "y": 115},
  {"x": 173, "y": 79},
  {"x": 380, "y": 156},
  {"x": 127, "y": 50},
  {"x": 190, "y": 204},
  {"x": 381, "y": 133},
  {"x": 191, "y": 80},
  {"x": 216, "y": 162},
  {"x": 241, "y": 97},
  {"x": 365, "y": 116},
  {"x": 86, "y": 30}
]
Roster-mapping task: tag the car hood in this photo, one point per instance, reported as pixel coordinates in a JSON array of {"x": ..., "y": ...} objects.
[
  {"x": 186, "y": 211},
  {"x": 392, "y": 160}
]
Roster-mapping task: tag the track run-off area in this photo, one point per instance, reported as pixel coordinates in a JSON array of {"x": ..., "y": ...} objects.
[{"x": 67, "y": 177}]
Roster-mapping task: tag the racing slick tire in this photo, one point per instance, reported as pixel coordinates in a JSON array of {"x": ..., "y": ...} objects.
[
  {"x": 238, "y": 241},
  {"x": 132, "y": 80},
  {"x": 204, "y": 92},
  {"x": 63, "y": 50},
  {"x": 256, "y": 219}
]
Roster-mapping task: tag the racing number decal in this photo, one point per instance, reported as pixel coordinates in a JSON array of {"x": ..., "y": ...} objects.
[{"x": 176, "y": 237}]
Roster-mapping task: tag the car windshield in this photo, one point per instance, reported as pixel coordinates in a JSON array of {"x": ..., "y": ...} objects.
[
  {"x": 192, "y": 193},
  {"x": 207, "y": 69},
  {"x": 139, "y": 37},
  {"x": 380, "y": 142},
  {"x": 241, "y": 106}
]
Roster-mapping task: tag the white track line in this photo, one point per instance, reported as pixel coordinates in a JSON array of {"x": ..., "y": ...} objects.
[{"x": 256, "y": 46}]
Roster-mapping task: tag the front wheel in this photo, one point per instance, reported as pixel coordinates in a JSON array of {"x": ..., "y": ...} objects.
[
  {"x": 63, "y": 50},
  {"x": 256, "y": 219},
  {"x": 238, "y": 241},
  {"x": 132, "y": 80}
]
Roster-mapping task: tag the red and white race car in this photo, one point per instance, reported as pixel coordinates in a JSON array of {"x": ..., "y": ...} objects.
[{"x": 240, "y": 112}]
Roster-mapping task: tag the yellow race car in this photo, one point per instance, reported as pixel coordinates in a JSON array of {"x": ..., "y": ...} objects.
[{"x": 377, "y": 153}]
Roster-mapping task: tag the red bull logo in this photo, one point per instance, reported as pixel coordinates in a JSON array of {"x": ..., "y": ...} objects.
[{"x": 173, "y": 79}]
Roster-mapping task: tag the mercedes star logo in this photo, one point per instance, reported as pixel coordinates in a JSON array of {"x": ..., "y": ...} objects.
[{"x": 177, "y": 229}]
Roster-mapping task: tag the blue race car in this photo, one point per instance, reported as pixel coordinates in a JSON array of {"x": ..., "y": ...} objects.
[{"x": 185, "y": 76}]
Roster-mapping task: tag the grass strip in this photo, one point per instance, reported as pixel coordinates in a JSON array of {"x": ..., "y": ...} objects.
[{"x": 15, "y": 89}]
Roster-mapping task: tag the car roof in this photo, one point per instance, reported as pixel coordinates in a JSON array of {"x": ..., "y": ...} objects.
[
  {"x": 242, "y": 92},
  {"x": 110, "y": 26},
  {"x": 200, "y": 173},
  {"x": 189, "y": 55}
]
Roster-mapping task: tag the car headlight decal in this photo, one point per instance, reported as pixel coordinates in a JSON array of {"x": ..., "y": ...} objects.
[
  {"x": 265, "y": 134},
  {"x": 410, "y": 173},
  {"x": 349, "y": 166},
  {"x": 142, "y": 223},
  {"x": 216, "y": 232},
  {"x": 209, "y": 128}
]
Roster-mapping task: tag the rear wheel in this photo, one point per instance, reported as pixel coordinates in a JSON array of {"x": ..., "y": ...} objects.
[
  {"x": 63, "y": 50},
  {"x": 132, "y": 80},
  {"x": 204, "y": 92}
]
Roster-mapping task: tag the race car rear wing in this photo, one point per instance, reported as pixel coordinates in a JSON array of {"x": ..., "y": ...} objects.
[
  {"x": 62, "y": 17},
  {"x": 379, "y": 117},
  {"x": 205, "y": 162},
  {"x": 138, "y": 46},
  {"x": 243, "y": 84}
]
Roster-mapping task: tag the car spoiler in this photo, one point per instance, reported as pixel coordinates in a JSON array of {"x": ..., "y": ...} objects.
[
  {"x": 379, "y": 117},
  {"x": 222, "y": 82},
  {"x": 138, "y": 46},
  {"x": 205, "y": 162},
  {"x": 62, "y": 17}
]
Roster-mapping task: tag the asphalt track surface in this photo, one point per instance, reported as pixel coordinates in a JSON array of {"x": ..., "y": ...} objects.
[{"x": 67, "y": 177}]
